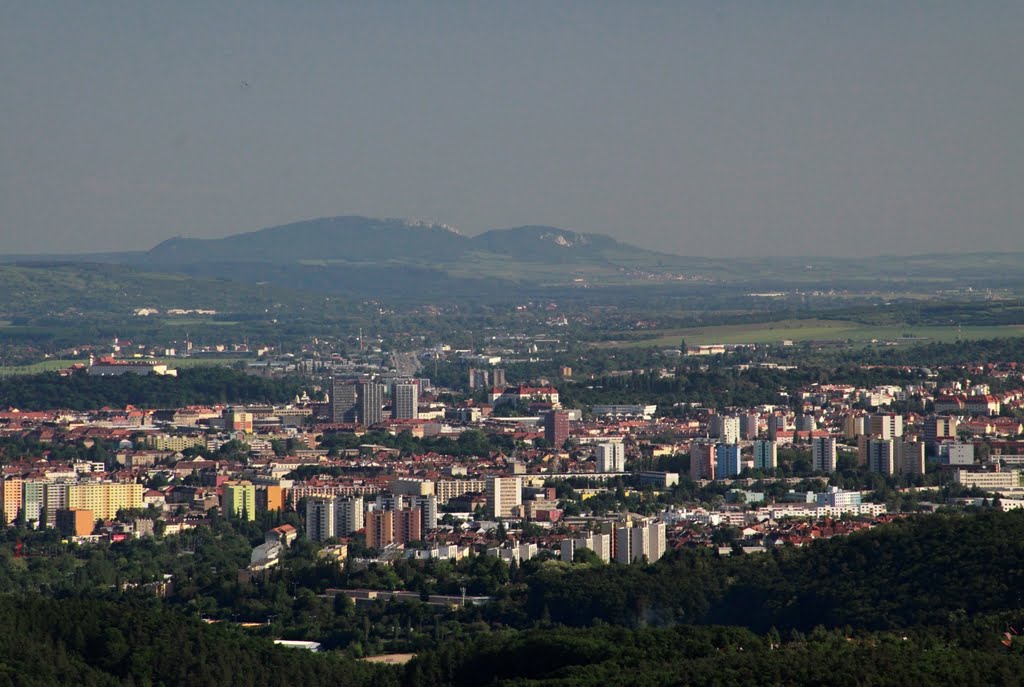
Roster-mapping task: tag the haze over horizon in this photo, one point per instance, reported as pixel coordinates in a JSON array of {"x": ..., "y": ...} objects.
[{"x": 823, "y": 128}]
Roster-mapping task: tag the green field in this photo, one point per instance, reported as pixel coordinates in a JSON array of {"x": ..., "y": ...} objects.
[
  {"x": 813, "y": 330},
  {"x": 44, "y": 366}
]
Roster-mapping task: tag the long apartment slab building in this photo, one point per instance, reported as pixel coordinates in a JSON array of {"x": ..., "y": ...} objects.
[{"x": 39, "y": 501}]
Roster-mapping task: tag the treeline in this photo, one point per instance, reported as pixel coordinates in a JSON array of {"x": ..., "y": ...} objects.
[
  {"x": 720, "y": 386},
  {"x": 50, "y": 642},
  {"x": 198, "y": 385},
  {"x": 922, "y": 354},
  {"x": 710, "y": 656}
]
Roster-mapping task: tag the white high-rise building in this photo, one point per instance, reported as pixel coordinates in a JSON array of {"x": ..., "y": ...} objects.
[
  {"x": 725, "y": 427},
  {"x": 600, "y": 544},
  {"x": 823, "y": 454},
  {"x": 655, "y": 541},
  {"x": 349, "y": 515},
  {"x": 639, "y": 543},
  {"x": 642, "y": 541},
  {"x": 405, "y": 401},
  {"x": 611, "y": 457}
]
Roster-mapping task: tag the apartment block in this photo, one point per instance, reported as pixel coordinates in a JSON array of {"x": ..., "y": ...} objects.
[
  {"x": 75, "y": 522},
  {"x": 104, "y": 499},
  {"x": 611, "y": 457},
  {"x": 240, "y": 500},
  {"x": 911, "y": 457},
  {"x": 702, "y": 461},
  {"x": 504, "y": 496},
  {"x": 882, "y": 456},
  {"x": 823, "y": 454},
  {"x": 447, "y": 490},
  {"x": 886, "y": 426},
  {"x": 349, "y": 515},
  {"x": 727, "y": 461},
  {"x": 320, "y": 518},
  {"x": 10, "y": 491},
  {"x": 724, "y": 427},
  {"x": 766, "y": 455},
  {"x": 405, "y": 401},
  {"x": 643, "y": 541},
  {"x": 1008, "y": 479}
]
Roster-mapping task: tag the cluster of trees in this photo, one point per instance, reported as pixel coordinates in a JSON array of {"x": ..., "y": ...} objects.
[
  {"x": 711, "y": 656},
  {"x": 473, "y": 442},
  {"x": 14, "y": 448},
  {"x": 197, "y": 385},
  {"x": 287, "y": 601}
]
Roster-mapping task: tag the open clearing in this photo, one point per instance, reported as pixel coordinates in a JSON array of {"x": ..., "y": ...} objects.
[
  {"x": 812, "y": 330},
  {"x": 390, "y": 659}
]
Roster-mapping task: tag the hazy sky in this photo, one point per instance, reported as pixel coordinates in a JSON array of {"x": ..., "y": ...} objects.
[{"x": 717, "y": 128}]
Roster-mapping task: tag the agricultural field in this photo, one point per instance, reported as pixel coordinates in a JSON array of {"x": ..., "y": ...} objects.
[
  {"x": 815, "y": 330},
  {"x": 198, "y": 362}
]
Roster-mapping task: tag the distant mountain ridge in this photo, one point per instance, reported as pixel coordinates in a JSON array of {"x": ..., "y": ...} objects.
[
  {"x": 356, "y": 239},
  {"x": 395, "y": 258}
]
